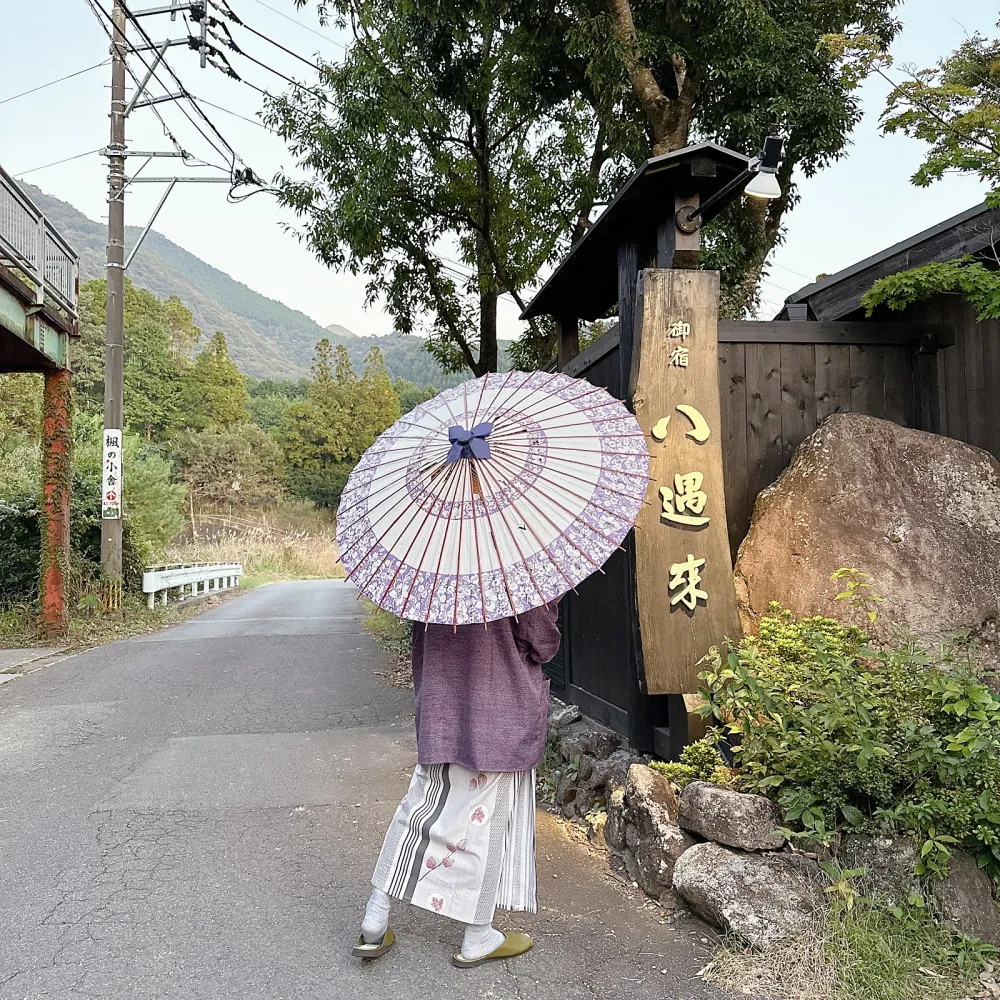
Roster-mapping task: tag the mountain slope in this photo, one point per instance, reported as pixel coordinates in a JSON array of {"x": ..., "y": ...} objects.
[{"x": 266, "y": 338}]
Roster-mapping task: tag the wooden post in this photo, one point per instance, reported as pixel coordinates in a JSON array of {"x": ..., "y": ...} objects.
[
  {"x": 640, "y": 722},
  {"x": 628, "y": 274},
  {"x": 687, "y": 246},
  {"x": 684, "y": 575},
  {"x": 57, "y": 452},
  {"x": 568, "y": 333}
]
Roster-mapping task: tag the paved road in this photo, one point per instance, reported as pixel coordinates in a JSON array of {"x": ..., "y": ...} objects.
[{"x": 195, "y": 814}]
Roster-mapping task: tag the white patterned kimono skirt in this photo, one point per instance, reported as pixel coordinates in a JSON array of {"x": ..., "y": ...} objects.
[{"x": 462, "y": 843}]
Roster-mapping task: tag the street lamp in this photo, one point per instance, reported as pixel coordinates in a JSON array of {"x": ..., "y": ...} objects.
[{"x": 763, "y": 184}]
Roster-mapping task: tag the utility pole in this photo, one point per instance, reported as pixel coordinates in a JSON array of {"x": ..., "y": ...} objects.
[{"x": 114, "y": 349}]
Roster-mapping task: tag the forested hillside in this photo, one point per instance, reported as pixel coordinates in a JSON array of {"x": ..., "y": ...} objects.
[{"x": 266, "y": 338}]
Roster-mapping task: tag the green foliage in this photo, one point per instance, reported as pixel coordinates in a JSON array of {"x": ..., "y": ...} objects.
[
  {"x": 963, "y": 276},
  {"x": 390, "y": 632},
  {"x": 859, "y": 949},
  {"x": 954, "y": 107},
  {"x": 411, "y": 395},
  {"x": 237, "y": 465},
  {"x": 157, "y": 336},
  {"x": 153, "y": 504},
  {"x": 270, "y": 398},
  {"x": 324, "y": 436},
  {"x": 214, "y": 393},
  {"x": 900, "y": 739},
  {"x": 20, "y": 405},
  {"x": 20, "y": 537},
  {"x": 731, "y": 71},
  {"x": 452, "y": 124},
  {"x": 700, "y": 761}
]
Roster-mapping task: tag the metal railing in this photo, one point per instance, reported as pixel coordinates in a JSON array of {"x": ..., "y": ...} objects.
[
  {"x": 31, "y": 245},
  {"x": 188, "y": 579}
]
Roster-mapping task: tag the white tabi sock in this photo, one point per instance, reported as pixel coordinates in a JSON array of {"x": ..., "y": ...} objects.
[
  {"x": 376, "y": 921},
  {"x": 481, "y": 940}
]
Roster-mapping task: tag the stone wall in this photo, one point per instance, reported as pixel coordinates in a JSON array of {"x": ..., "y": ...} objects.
[{"x": 718, "y": 851}]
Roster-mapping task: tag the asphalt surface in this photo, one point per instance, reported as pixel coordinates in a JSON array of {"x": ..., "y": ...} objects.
[{"x": 195, "y": 814}]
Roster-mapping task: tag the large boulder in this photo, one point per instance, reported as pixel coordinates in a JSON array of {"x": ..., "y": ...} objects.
[
  {"x": 917, "y": 511},
  {"x": 763, "y": 898},
  {"x": 964, "y": 899},
  {"x": 642, "y": 826},
  {"x": 732, "y": 818},
  {"x": 888, "y": 864}
]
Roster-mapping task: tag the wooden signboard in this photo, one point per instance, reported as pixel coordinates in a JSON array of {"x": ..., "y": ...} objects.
[{"x": 684, "y": 573}]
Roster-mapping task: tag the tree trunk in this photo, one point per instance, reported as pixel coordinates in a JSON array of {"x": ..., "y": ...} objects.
[
  {"x": 654, "y": 103},
  {"x": 487, "y": 331}
]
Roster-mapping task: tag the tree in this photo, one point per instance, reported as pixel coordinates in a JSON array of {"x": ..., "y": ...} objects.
[
  {"x": 324, "y": 437},
  {"x": 153, "y": 365},
  {"x": 411, "y": 395},
  {"x": 238, "y": 465},
  {"x": 955, "y": 108},
  {"x": 213, "y": 392},
  {"x": 448, "y": 128},
  {"x": 184, "y": 334},
  {"x": 20, "y": 405},
  {"x": 270, "y": 398},
  {"x": 732, "y": 71}
]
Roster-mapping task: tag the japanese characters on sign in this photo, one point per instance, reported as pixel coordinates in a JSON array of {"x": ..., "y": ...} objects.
[
  {"x": 683, "y": 502},
  {"x": 686, "y": 600},
  {"x": 111, "y": 496}
]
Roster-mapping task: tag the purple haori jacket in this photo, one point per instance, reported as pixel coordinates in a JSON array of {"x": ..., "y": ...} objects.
[{"x": 482, "y": 699}]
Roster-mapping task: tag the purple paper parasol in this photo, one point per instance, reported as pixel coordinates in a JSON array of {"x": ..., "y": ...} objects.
[{"x": 495, "y": 497}]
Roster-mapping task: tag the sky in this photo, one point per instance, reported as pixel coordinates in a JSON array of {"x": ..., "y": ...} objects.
[{"x": 855, "y": 207}]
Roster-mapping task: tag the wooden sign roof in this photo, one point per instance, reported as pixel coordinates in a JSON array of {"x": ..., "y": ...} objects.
[{"x": 585, "y": 284}]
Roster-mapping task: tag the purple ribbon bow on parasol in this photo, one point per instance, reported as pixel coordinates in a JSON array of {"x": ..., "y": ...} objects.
[{"x": 469, "y": 444}]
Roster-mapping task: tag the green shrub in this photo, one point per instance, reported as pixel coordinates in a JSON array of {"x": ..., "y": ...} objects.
[
  {"x": 700, "y": 761},
  {"x": 900, "y": 740},
  {"x": 153, "y": 512}
]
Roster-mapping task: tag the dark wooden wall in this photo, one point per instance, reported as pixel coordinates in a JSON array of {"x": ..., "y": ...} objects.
[{"x": 773, "y": 396}]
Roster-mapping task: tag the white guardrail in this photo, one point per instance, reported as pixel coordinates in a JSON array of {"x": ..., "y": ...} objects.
[{"x": 190, "y": 577}]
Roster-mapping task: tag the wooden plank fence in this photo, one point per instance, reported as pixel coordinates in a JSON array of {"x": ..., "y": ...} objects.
[{"x": 777, "y": 382}]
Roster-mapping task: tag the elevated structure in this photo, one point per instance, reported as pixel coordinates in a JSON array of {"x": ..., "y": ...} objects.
[{"x": 39, "y": 295}]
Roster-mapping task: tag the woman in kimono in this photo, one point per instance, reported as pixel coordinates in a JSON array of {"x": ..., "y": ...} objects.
[{"x": 462, "y": 841}]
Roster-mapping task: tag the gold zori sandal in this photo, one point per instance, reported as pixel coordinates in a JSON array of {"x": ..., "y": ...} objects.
[
  {"x": 513, "y": 945},
  {"x": 377, "y": 948}
]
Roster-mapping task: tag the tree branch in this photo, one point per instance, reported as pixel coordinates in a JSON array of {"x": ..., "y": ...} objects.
[{"x": 654, "y": 103}]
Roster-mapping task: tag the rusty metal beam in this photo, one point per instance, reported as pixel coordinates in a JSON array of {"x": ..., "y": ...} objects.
[{"x": 56, "y": 483}]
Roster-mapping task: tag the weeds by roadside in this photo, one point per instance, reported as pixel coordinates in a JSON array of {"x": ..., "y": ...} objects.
[
  {"x": 860, "y": 949},
  {"x": 294, "y": 542},
  {"x": 91, "y": 627},
  {"x": 393, "y": 635}
]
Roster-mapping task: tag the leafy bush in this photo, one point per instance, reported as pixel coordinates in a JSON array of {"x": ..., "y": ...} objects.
[
  {"x": 700, "y": 761},
  {"x": 152, "y": 511},
  {"x": 899, "y": 740},
  {"x": 238, "y": 465}
]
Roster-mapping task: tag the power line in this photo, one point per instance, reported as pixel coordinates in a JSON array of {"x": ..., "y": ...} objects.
[
  {"x": 245, "y": 176},
  {"x": 149, "y": 41},
  {"x": 55, "y": 163},
  {"x": 52, "y": 83},
  {"x": 229, "y": 43},
  {"x": 304, "y": 27},
  {"x": 790, "y": 270},
  {"x": 98, "y": 11},
  {"x": 235, "y": 114},
  {"x": 230, "y": 13}
]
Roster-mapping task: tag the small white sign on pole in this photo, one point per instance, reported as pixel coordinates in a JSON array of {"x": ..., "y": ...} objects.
[{"x": 111, "y": 500}]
